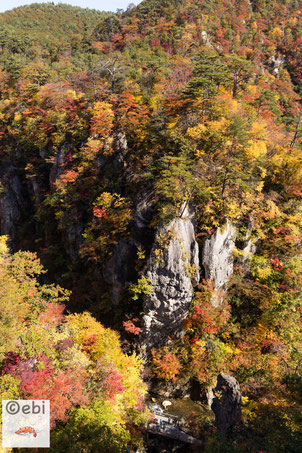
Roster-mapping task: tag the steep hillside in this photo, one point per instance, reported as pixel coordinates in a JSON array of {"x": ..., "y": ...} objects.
[
  {"x": 46, "y": 31},
  {"x": 152, "y": 160}
]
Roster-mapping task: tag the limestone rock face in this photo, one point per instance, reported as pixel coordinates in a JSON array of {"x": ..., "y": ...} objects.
[
  {"x": 120, "y": 269},
  {"x": 276, "y": 61},
  {"x": 35, "y": 190},
  {"x": 57, "y": 168},
  {"x": 217, "y": 259},
  {"x": 120, "y": 147},
  {"x": 249, "y": 249},
  {"x": 143, "y": 211},
  {"x": 73, "y": 238},
  {"x": 226, "y": 403},
  {"x": 173, "y": 270},
  {"x": 12, "y": 201},
  {"x": 249, "y": 246},
  {"x": 206, "y": 38}
]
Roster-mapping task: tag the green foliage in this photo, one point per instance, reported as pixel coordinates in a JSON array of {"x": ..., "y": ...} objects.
[
  {"x": 208, "y": 75},
  {"x": 142, "y": 287},
  {"x": 21, "y": 34}
]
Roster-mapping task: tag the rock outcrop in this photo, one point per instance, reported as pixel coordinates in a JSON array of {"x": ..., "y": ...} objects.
[
  {"x": 73, "y": 238},
  {"x": 249, "y": 245},
  {"x": 120, "y": 269},
  {"x": 276, "y": 62},
  {"x": 143, "y": 211},
  {"x": 217, "y": 260},
  {"x": 226, "y": 403},
  {"x": 248, "y": 250},
  {"x": 173, "y": 270},
  {"x": 120, "y": 147},
  {"x": 12, "y": 202},
  {"x": 56, "y": 168}
]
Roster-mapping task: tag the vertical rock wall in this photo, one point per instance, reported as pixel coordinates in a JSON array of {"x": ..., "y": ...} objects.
[
  {"x": 120, "y": 270},
  {"x": 217, "y": 260},
  {"x": 173, "y": 270},
  {"x": 249, "y": 245},
  {"x": 12, "y": 202}
]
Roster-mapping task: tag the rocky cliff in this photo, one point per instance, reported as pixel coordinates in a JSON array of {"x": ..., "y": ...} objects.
[
  {"x": 217, "y": 260},
  {"x": 13, "y": 202},
  {"x": 173, "y": 270},
  {"x": 120, "y": 270}
]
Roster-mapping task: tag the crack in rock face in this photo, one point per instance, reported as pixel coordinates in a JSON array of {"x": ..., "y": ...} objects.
[
  {"x": 173, "y": 270},
  {"x": 217, "y": 260}
]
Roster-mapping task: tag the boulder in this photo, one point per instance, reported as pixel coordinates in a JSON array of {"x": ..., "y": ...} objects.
[{"x": 226, "y": 403}]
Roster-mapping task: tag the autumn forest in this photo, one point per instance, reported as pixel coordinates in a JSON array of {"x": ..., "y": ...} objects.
[{"x": 150, "y": 223}]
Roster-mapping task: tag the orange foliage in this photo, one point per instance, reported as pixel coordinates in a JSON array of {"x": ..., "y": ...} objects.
[{"x": 166, "y": 365}]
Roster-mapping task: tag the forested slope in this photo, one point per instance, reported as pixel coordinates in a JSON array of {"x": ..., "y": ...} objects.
[{"x": 152, "y": 160}]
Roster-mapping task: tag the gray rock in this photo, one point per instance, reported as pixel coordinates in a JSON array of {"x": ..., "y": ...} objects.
[
  {"x": 226, "y": 403},
  {"x": 120, "y": 269},
  {"x": 246, "y": 249},
  {"x": 206, "y": 38},
  {"x": 210, "y": 396},
  {"x": 143, "y": 211},
  {"x": 217, "y": 260},
  {"x": 276, "y": 62},
  {"x": 250, "y": 247},
  {"x": 73, "y": 238},
  {"x": 57, "y": 168},
  {"x": 173, "y": 270},
  {"x": 35, "y": 190},
  {"x": 12, "y": 201},
  {"x": 120, "y": 147},
  {"x": 249, "y": 250}
]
